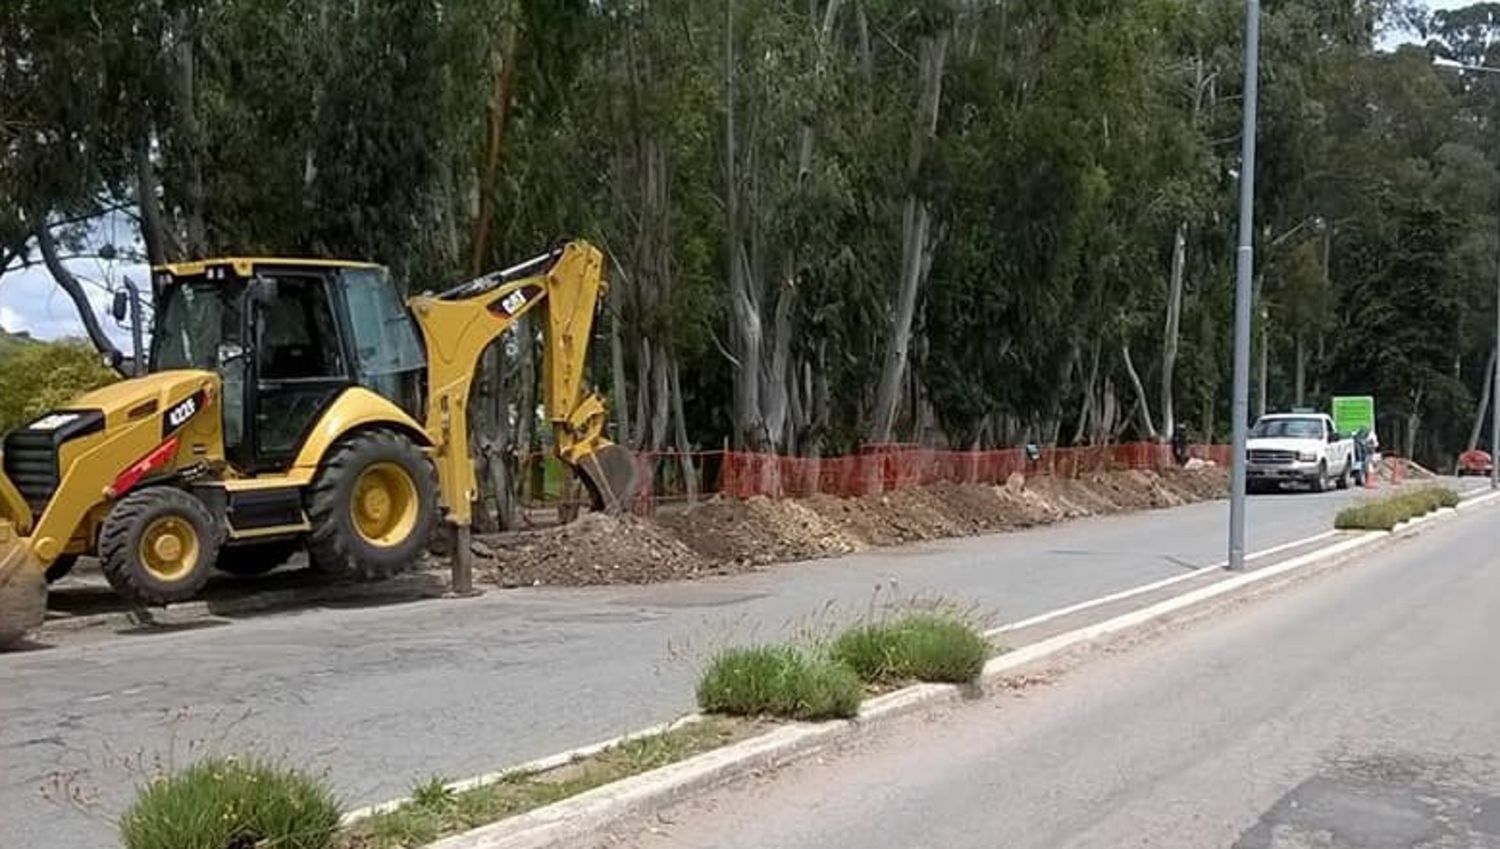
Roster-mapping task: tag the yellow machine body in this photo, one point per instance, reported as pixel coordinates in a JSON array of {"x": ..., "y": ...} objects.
[{"x": 65, "y": 472}]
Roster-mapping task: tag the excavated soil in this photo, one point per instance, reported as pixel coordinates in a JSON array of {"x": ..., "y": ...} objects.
[{"x": 725, "y": 536}]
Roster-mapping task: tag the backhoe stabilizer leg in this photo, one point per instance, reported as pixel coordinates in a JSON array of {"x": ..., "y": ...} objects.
[
  {"x": 609, "y": 473},
  {"x": 23, "y": 588}
]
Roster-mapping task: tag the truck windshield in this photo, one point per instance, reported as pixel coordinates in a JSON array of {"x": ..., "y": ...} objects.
[
  {"x": 1289, "y": 428},
  {"x": 190, "y": 327}
]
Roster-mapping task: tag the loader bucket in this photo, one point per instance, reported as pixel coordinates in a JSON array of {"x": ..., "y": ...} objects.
[
  {"x": 23, "y": 588},
  {"x": 610, "y": 476}
]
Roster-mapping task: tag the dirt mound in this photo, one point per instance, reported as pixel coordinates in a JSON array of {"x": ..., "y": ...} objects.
[
  {"x": 759, "y": 531},
  {"x": 596, "y": 549},
  {"x": 724, "y": 536}
]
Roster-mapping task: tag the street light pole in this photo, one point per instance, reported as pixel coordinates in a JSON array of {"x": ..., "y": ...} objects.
[
  {"x": 1244, "y": 271},
  {"x": 1451, "y": 64}
]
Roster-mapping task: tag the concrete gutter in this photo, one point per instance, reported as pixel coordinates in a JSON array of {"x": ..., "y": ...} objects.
[{"x": 577, "y": 820}]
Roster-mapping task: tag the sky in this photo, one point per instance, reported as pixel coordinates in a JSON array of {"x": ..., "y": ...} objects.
[{"x": 31, "y": 303}]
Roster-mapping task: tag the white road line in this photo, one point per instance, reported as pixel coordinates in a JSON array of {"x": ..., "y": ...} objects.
[{"x": 1151, "y": 587}]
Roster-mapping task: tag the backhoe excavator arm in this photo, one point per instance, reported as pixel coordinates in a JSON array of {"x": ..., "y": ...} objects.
[{"x": 458, "y": 325}]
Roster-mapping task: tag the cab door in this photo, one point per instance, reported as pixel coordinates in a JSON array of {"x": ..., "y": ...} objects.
[{"x": 299, "y": 363}]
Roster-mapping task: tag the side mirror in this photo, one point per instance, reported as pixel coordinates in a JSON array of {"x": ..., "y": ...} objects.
[
  {"x": 230, "y": 353},
  {"x": 120, "y": 307}
]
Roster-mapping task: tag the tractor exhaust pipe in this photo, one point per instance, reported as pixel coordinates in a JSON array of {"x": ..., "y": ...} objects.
[{"x": 23, "y": 588}]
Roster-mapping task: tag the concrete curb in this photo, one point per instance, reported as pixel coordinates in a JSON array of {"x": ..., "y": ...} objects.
[{"x": 572, "y": 822}]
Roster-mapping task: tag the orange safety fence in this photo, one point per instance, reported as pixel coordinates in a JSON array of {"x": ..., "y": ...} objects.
[{"x": 664, "y": 476}]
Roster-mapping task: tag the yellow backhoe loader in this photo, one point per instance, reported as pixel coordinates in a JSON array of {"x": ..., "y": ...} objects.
[{"x": 290, "y": 403}]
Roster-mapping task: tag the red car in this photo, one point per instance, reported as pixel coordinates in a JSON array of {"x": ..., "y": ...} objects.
[{"x": 1474, "y": 463}]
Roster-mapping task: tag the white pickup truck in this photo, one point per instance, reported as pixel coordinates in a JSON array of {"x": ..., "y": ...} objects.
[{"x": 1298, "y": 448}]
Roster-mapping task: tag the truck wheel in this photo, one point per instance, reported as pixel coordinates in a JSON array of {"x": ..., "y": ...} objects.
[
  {"x": 1346, "y": 475},
  {"x": 1320, "y": 483},
  {"x": 372, "y": 506},
  {"x": 158, "y": 546},
  {"x": 251, "y": 560}
]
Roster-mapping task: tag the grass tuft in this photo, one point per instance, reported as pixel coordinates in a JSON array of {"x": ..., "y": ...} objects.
[
  {"x": 1386, "y": 513},
  {"x": 222, "y": 802},
  {"x": 779, "y": 681},
  {"x": 916, "y": 647},
  {"x": 434, "y": 811}
]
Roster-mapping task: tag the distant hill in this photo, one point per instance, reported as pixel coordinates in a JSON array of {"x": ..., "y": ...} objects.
[{"x": 11, "y": 341}]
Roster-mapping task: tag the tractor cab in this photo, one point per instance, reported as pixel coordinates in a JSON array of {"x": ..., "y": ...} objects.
[{"x": 286, "y": 337}]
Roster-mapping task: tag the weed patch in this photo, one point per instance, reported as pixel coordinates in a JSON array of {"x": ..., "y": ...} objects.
[
  {"x": 915, "y": 647},
  {"x": 1386, "y": 513},
  {"x": 436, "y": 811},
  {"x": 782, "y": 681},
  {"x": 224, "y": 802}
]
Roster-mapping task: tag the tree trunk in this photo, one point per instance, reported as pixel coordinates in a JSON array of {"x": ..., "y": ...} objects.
[
  {"x": 184, "y": 89},
  {"x": 1484, "y": 402},
  {"x": 1143, "y": 404},
  {"x": 915, "y": 221},
  {"x": 74, "y": 290},
  {"x": 747, "y": 337},
  {"x": 526, "y": 452},
  {"x": 1170, "y": 332},
  {"x": 619, "y": 380},
  {"x": 502, "y": 91},
  {"x": 1300, "y": 381},
  {"x": 684, "y": 448},
  {"x": 1263, "y": 377},
  {"x": 1088, "y": 397},
  {"x": 153, "y": 227}
]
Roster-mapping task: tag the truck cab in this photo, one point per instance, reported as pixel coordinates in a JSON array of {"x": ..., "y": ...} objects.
[{"x": 1303, "y": 448}]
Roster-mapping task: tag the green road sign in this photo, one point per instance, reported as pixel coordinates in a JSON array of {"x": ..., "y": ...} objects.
[{"x": 1354, "y": 412}]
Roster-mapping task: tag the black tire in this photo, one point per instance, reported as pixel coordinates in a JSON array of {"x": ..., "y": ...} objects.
[
  {"x": 61, "y": 567},
  {"x": 336, "y": 544},
  {"x": 1320, "y": 483},
  {"x": 251, "y": 560},
  {"x": 122, "y": 554},
  {"x": 1345, "y": 475}
]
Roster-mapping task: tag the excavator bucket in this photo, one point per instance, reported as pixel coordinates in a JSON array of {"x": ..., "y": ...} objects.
[
  {"x": 23, "y": 588},
  {"x": 610, "y": 476}
]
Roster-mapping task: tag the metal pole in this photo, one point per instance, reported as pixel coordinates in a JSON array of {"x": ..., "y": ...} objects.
[
  {"x": 1495, "y": 401},
  {"x": 1244, "y": 270}
]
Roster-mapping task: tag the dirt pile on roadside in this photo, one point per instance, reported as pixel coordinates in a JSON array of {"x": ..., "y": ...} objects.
[
  {"x": 595, "y": 549},
  {"x": 725, "y": 536}
]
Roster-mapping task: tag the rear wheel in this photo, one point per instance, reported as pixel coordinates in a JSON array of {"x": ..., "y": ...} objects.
[
  {"x": 372, "y": 506},
  {"x": 250, "y": 560},
  {"x": 158, "y": 546},
  {"x": 1346, "y": 475}
]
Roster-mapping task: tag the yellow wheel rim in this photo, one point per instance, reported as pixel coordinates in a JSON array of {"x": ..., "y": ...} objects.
[
  {"x": 170, "y": 548},
  {"x": 384, "y": 507}
]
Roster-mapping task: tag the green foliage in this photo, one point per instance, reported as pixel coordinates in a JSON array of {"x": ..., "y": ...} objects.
[
  {"x": 432, "y": 814},
  {"x": 1384, "y": 514},
  {"x": 915, "y": 647},
  {"x": 219, "y": 802},
  {"x": 781, "y": 681},
  {"x": 35, "y": 378}
]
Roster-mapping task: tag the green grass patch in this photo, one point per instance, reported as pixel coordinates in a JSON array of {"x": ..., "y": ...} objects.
[
  {"x": 782, "y": 681},
  {"x": 222, "y": 802},
  {"x": 914, "y": 647},
  {"x": 1385, "y": 513},
  {"x": 435, "y": 811}
]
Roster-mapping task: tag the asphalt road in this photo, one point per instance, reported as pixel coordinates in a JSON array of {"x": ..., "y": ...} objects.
[
  {"x": 1356, "y": 710},
  {"x": 383, "y": 697}
]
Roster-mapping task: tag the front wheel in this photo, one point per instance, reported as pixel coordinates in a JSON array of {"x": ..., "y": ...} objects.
[
  {"x": 1320, "y": 483},
  {"x": 372, "y": 506},
  {"x": 158, "y": 545}
]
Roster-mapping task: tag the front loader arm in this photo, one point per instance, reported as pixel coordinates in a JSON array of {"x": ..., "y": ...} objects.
[{"x": 458, "y": 325}]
